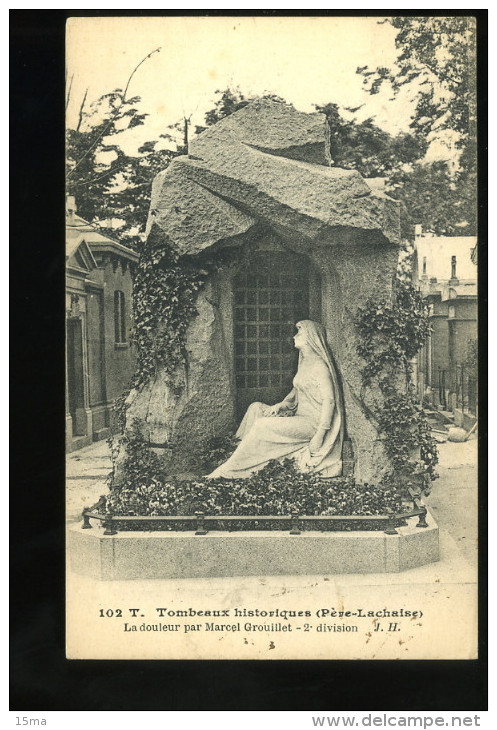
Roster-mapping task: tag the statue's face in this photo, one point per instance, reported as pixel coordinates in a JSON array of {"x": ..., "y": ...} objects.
[{"x": 299, "y": 339}]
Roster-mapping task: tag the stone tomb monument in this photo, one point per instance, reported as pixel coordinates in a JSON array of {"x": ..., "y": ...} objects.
[{"x": 307, "y": 240}]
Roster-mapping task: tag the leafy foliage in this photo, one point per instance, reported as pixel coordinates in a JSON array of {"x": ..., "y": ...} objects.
[
  {"x": 432, "y": 195},
  {"x": 278, "y": 489},
  {"x": 130, "y": 202},
  {"x": 436, "y": 61},
  {"x": 215, "y": 451},
  {"x": 406, "y": 431},
  {"x": 228, "y": 101},
  {"x": 391, "y": 332},
  {"x": 105, "y": 181},
  {"x": 364, "y": 147},
  {"x": 164, "y": 294},
  {"x": 438, "y": 55},
  {"x": 165, "y": 290},
  {"x": 390, "y": 335}
]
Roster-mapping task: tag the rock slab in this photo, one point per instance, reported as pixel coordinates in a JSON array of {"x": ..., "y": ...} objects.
[{"x": 266, "y": 162}]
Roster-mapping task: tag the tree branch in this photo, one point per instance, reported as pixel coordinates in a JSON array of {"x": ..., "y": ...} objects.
[
  {"x": 114, "y": 115},
  {"x": 95, "y": 179},
  {"x": 68, "y": 97},
  {"x": 80, "y": 118}
]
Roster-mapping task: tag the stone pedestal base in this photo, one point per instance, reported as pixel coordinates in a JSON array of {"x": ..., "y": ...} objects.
[{"x": 144, "y": 555}]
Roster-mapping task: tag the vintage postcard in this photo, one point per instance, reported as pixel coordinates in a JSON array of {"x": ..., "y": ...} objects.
[{"x": 271, "y": 303}]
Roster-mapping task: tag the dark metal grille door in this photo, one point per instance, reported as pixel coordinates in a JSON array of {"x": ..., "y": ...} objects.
[{"x": 268, "y": 301}]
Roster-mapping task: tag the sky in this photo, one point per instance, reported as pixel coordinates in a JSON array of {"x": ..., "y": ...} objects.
[{"x": 304, "y": 60}]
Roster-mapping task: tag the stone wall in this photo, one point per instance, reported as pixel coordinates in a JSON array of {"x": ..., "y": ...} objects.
[
  {"x": 177, "y": 415},
  {"x": 351, "y": 274}
]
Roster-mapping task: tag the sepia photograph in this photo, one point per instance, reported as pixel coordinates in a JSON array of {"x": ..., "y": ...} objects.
[{"x": 271, "y": 309}]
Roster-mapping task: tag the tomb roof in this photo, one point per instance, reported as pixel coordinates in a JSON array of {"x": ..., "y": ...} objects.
[{"x": 266, "y": 163}]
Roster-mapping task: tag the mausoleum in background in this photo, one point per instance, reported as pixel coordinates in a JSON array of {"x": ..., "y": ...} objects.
[
  {"x": 445, "y": 272},
  {"x": 99, "y": 359}
]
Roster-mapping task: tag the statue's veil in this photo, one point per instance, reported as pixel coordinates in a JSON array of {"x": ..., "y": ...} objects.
[
  {"x": 316, "y": 338},
  {"x": 315, "y": 335}
]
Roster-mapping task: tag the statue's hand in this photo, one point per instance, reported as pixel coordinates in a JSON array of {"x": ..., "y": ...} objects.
[{"x": 273, "y": 410}]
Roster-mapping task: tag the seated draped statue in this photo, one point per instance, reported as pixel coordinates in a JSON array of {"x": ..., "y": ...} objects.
[{"x": 308, "y": 425}]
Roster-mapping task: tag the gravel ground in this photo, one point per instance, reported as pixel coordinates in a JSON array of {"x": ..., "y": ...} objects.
[
  {"x": 454, "y": 496},
  {"x": 86, "y": 473}
]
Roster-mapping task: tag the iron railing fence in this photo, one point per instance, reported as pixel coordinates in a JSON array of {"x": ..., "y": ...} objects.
[
  {"x": 461, "y": 382},
  {"x": 442, "y": 389},
  {"x": 295, "y": 523},
  {"x": 466, "y": 389}
]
